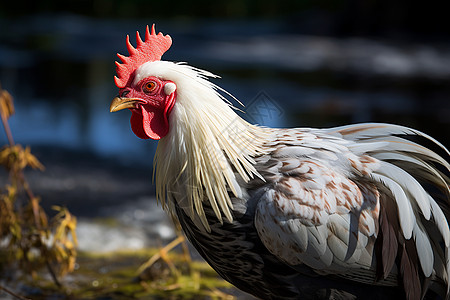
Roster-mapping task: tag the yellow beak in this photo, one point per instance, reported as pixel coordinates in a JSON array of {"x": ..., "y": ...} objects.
[{"x": 119, "y": 103}]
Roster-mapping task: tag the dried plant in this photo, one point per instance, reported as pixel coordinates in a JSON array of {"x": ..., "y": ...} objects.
[{"x": 29, "y": 239}]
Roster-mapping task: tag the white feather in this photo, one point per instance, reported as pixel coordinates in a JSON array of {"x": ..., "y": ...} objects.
[
  {"x": 424, "y": 250},
  {"x": 364, "y": 147},
  {"x": 293, "y": 151},
  {"x": 371, "y": 130},
  {"x": 317, "y": 239},
  {"x": 210, "y": 141},
  {"x": 405, "y": 211},
  {"x": 441, "y": 222},
  {"x": 409, "y": 184},
  {"x": 300, "y": 235}
]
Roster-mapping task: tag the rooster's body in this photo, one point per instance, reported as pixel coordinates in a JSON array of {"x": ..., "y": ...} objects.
[{"x": 291, "y": 213}]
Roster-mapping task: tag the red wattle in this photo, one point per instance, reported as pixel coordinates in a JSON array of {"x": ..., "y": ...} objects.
[{"x": 149, "y": 123}]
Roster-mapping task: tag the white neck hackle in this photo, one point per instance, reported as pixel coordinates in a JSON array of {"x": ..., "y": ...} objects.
[{"x": 206, "y": 144}]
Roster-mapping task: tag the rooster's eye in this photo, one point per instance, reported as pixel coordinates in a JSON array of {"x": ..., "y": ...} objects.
[{"x": 149, "y": 87}]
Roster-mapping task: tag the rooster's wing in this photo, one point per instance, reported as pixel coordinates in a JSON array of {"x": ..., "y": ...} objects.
[{"x": 349, "y": 201}]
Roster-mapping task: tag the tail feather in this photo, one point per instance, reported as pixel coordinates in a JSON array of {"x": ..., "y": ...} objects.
[
  {"x": 371, "y": 130},
  {"x": 406, "y": 168},
  {"x": 417, "y": 166}
]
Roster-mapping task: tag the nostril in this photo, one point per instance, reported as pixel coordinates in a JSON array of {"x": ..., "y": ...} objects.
[{"x": 124, "y": 94}]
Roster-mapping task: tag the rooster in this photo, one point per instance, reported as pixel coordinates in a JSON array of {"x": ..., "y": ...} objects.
[{"x": 358, "y": 211}]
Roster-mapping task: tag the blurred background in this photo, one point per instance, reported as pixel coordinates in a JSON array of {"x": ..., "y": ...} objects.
[{"x": 292, "y": 63}]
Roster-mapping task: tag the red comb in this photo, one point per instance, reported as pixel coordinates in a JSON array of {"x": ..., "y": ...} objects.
[{"x": 151, "y": 50}]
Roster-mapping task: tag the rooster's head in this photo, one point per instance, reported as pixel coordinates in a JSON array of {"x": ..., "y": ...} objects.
[
  {"x": 194, "y": 122},
  {"x": 149, "y": 97}
]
